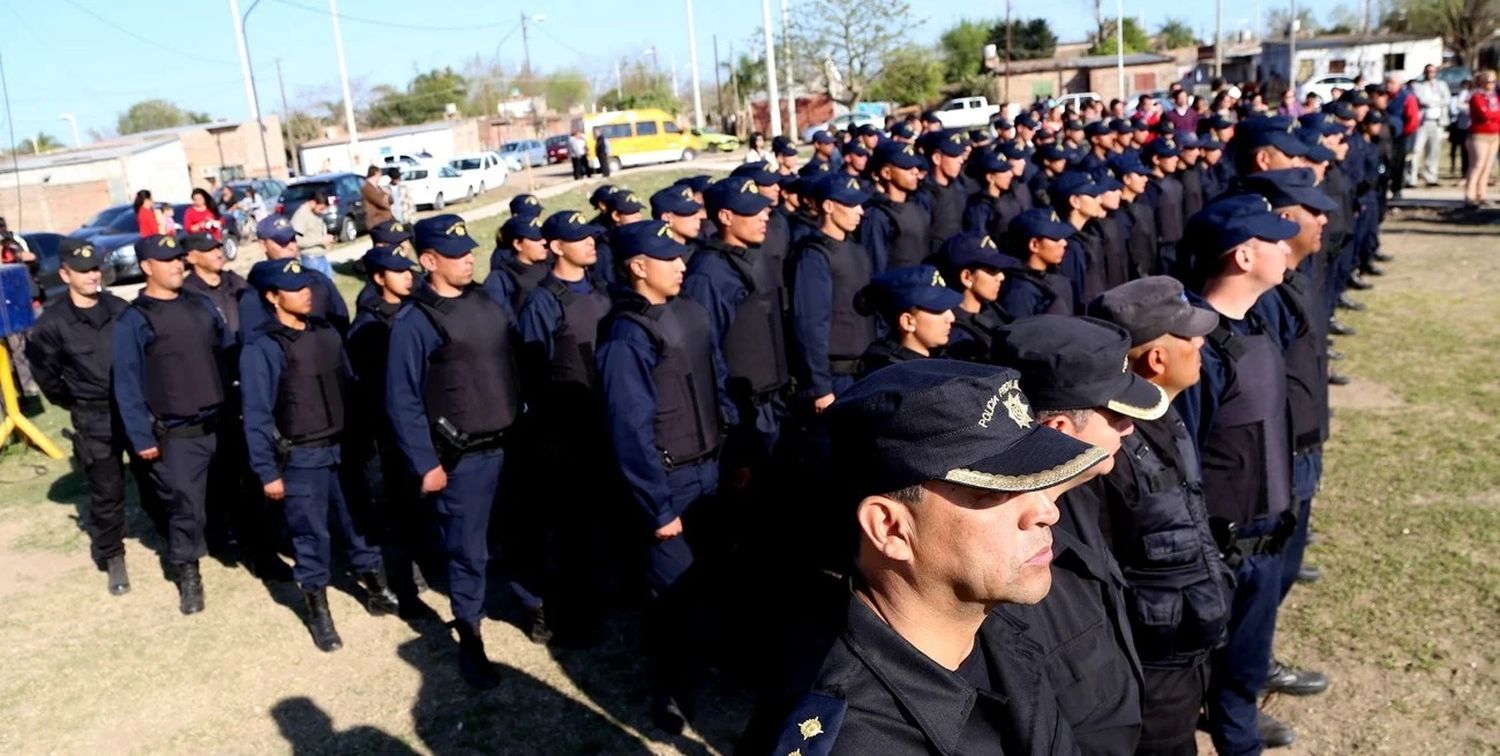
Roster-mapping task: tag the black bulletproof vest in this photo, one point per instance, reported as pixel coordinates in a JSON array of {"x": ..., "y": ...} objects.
[
  {"x": 1095, "y": 245},
  {"x": 573, "y": 344},
  {"x": 1144, "y": 257},
  {"x": 755, "y": 348},
  {"x": 182, "y": 360},
  {"x": 849, "y": 333},
  {"x": 777, "y": 247},
  {"x": 1192, "y": 190},
  {"x": 525, "y": 278},
  {"x": 1179, "y": 589},
  {"x": 947, "y": 214},
  {"x": 687, "y": 398},
  {"x": 225, "y": 296},
  {"x": 910, "y": 231},
  {"x": 1306, "y": 364},
  {"x": 472, "y": 380},
  {"x": 310, "y": 397},
  {"x": 1169, "y": 218},
  {"x": 1247, "y": 454},
  {"x": 1116, "y": 259}
]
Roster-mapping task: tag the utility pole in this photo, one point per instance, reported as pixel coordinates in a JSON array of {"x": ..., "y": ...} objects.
[
  {"x": 286, "y": 121},
  {"x": 1291, "y": 48},
  {"x": 791, "y": 90},
  {"x": 525, "y": 48},
  {"x": 1219, "y": 40},
  {"x": 718, "y": 83},
  {"x": 73, "y": 122},
  {"x": 773, "y": 99},
  {"x": 239, "y": 28},
  {"x": 1007, "y": 52},
  {"x": 693, "y": 61},
  {"x": 619, "y": 84},
  {"x": 338, "y": 47},
  {"x": 1120, "y": 46}
]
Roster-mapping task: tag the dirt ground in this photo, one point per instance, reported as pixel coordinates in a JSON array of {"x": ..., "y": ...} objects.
[{"x": 1406, "y": 620}]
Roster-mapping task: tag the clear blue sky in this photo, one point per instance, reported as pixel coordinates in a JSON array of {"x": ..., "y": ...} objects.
[{"x": 95, "y": 57}]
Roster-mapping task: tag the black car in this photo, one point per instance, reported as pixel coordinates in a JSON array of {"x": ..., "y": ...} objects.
[
  {"x": 345, "y": 216},
  {"x": 44, "y": 270}
]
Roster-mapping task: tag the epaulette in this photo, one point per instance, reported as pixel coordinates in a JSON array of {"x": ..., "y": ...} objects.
[{"x": 812, "y": 727}]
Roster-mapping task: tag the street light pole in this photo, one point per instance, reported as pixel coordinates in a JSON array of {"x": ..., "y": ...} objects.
[
  {"x": 73, "y": 122},
  {"x": 239, "y": 27},
  {"x": 1120, "y": 46},
  {"x": 693, "y": 61},
  {"x": 338, "y": 47},
  {"x": 791, "y": 90},
  {"x": 773, "y": 100}
]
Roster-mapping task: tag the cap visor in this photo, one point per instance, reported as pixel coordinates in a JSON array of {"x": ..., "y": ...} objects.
[
  {"x": 1141, "y": 400},
  {"x": 1043, "y": 458},
  {"x": 1277, "y": 228},
  {"x": 939, "y": 300},
  {"x": 1199, "y": 322},
  {"x": 81, "y": 266}
]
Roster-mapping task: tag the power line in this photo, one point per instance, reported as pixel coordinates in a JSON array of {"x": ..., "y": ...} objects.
[
  {"x": 562, "y": 44},
  {"x": 153, "y": 43},
  {"x": 401, "y": 25}
]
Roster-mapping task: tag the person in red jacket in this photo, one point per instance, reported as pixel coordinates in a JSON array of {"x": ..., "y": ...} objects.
[
  {"x": 1484, "y": 137},
  {"x": 145, "y": 214},
  {"x": 203, "y": 217}
]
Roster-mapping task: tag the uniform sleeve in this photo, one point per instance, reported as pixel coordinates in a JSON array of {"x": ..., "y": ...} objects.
[
  {"x": 875, "y": 236},
  {"x": 252, "y": 312},
  {"x": 1199, "y": 403},
  {"x": 719, "y": 299},
  {"x": 132, "y": 334},
  {"x": 1075, "y": 267},
  {"x": 540, "y": 317},
  {"x": 412, "y": 340},
  {"x": 977, "y": 217},
  {"x": 261, "y": 363},
  {"x": 604, "y": 268},
  {"x": 812, "y": 317},
  {"x": 499, "y": 286},
  {"x": 338, "y": 309},
  {"x": 625, "y": 363},
  {"x": 1020, "y": 300},
  {"x": 44, "y": 350}
]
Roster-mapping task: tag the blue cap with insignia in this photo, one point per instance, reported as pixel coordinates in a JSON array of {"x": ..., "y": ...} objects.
[
  {"x": 568, "y": 226},
  {"x": 1228, "y": 222},
  {"x": 761, "y": 172},
  {"x": 384, "y": 257},
  {"x": 525, "y": 204},
  {"x": 844, "y": 190},
  {"x": 903, "y": 289},
  {"x": 279, "y": 275},
  {"x": 601, "y": 194},
  {"x": 159, "y": 247},
  {"x": 677, "y": 200},
  {"x": 390, "y": 232},
  {"x": 895, "y": 154},
  {"x": 1128, "y": 162},
  {"x": 1039, "y": 222},
  {"x": 276, "y": 228},
  {"x": 78, "y": 254},
  {"x": 1287, "y": 187},
  {"x": 738, "y": 195},
  {"x": 822, "y": 137},
  {"x": 651, "y": 238},
  {"x": 521, "y": 227},
  {"x": 624, "y": 202},
  {"x": 1077, "y": 363},
  {"x": 447, "y": 235},
  {"x": 971, "y": 250},
  {"x": 1269, "y": 131}
]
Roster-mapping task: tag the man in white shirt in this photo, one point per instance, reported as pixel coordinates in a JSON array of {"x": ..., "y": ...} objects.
[{"x": 1432, "y": 98}]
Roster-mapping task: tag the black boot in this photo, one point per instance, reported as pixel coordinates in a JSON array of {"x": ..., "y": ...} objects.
[
  {"x": 189, "y": 587},
  {"x": 1294, "y": 682},
  {"x": 536, "y": 625},
  {"x": 1273, "y": 733},
  {"x": 119, "y": 579},
  {"x": 1345, "y": 303},
  {"x": 473, "y": 665},
  {"x": 1337, "y": 379},
  {"x": 1339, "y": 329},
  {"x": 1309, "y": 574},
  {"x": 1358, "y": 283},
  {"x": 320, "y": 621},
  {"x": 380, "y": 600}
]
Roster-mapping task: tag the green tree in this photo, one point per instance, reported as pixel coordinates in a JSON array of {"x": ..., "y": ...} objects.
[
  {"x": 1343, "y": 20},
  {"x": 1464, "y": 25},
  {"x": 641, "y": 87},
  {"x": 1174, "y": 33},
  {"x": 1135, "y": 39},
  {"x": 150, "y": 115},
  {"x": 911, "y": 75},
  {"x": 425, "y": 99},
  {"x": 1278, "y": 22},
  {"x": 853, "y": 38},
  {"x": 962, "y": 47},
  {"x": 41, "y": 144},
  {"x": 565, "y": 89},
  {"x": 1031, "y": 39}
]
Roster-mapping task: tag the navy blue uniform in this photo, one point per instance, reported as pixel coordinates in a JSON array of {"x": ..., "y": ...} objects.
[
  {"x": 1028, "y": 292},
  {"x": 510, "y": 281},
  {"x": 328, "y": 305}
]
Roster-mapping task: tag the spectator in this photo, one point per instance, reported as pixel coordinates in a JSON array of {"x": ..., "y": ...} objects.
[
  {"x": 167, "y": 223},
  {"x": 1432, "y": 98},
  {"x": 145, "y": 214},
  {"x": 578, "y": 153},
  {"x": 1289, "y": 105},
  {"x": 377, "y": 201},
  {"x": 601, "y": 151},
  {"x": 1484, "y": 137},
  {"x": 202, "y": 217},
  {"x": 230, "y": 212},
  {"x": 759, "y": 152},
  {"x": 402, "y": 203},
  {"x": 1182, "y": 117},
  {"x": 1399, "y": 113},
  {"x": 1458, "y": 127},
  {"x": 254, "y": 206},
  {"x": 313, "y": 239}
]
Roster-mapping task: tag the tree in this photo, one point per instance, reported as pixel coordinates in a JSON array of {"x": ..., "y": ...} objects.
[
  {"x": 43, "y": 143},
  {"x": 1029, "y": 40},
  {"x": 565, "y": 89},
  {"x": 641, "y": 87},
  {"x": 150, "y": 115},
  {"x": 425, "y": 99},
  {"x": 1134, "y": 36},
  {"x": 853, "y": 38},
  {"x": 1278, "y": 22},
  {"x": 1343, "y": 20},
  {"x": 1464, "y": 25},
  {"x": 1174, "y": 33},
  {"x": 962, "y": 47},
  {"x": 911, "y": 75}
]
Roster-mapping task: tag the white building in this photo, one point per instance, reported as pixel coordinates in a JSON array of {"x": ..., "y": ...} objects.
[
  {"x": 1352, "y": 55},
  {"x": 58, "y": 190},
  {"x": 441, "y": 140}
]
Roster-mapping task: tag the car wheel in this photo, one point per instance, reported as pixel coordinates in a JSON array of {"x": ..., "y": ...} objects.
[
  {"x": 481, "y": 187},
  {"x": 438, "y": 203},
  {"x": 614, "y": 165},
  {"x": 348, "y": 230},
  {"x": 231, "y": 247},
  {"x": 688, "y": 154}
]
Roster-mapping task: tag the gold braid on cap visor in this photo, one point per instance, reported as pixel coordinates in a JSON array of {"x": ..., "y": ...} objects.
[{"x": 1032, "y": 481}]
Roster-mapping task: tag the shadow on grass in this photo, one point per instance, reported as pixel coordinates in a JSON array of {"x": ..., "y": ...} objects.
[{"x": 309, "y": 730}]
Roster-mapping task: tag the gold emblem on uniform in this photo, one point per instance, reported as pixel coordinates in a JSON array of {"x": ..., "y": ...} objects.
[
  {"x": 576, "y": 219},
  {"x": 810, "y": 728},
  {"x": 854, "y": 184},
  {"x": 168, "y": 241},
  {"x": 986, "y": 241},
  {"x": 664, "y": 232},
  {"x": 748, "y": 187},
  {"x": 687, "y": 192},
  {"x": 292, "y": 266},
  {"x": 530, "y": 200},
  {"x": 937, "y": 279},
  {"x": 457, "y": 229},
  {"x": 1016, "y": 407},
  {"x": 86, "y": 250},
  {"x": 397, "y": 227},
  {"x": 535, "y": 222},
  {"x": 797, "y": 752},
  {"x": 1055, "y": 218},
  {"x": 956, "y": 139}
]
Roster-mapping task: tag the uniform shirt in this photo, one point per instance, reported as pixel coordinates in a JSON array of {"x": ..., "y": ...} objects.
[
  {"x": 974, "y": 333},
  {"x": 368, "y": 347},
  {"x": 262, "y": 361},
  {"x": 541, "y": 316},
  {"x": 328, "y": 304},
  {"x": 884, "y": 353},
  {"x": 946, "y": 205},
  {"x": 1198, "y": 403},
  {"x": 225, "y": 296},
  {"x": 501, "y": 283},
  {"x": 992, "y": 215},
  {"x": 812, "y": 312},
  {"x": 715, "y": 285},
  {"x": 1028, "y": 292},
  {"x": 69, "y": 350},
  {"x": 132, "y": 336}
]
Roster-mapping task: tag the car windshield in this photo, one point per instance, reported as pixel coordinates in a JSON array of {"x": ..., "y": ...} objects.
[
  {"x": 447, "y": 172},
  {"x": 511, "y": 147},
  {"x": 468, "y": 164},
  {"x": 304, "y": 192},
  {"x": 106, "y": 215}
]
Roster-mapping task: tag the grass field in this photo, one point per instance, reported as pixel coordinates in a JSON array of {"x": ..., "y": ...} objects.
[{"x": 1406, "y": 620}]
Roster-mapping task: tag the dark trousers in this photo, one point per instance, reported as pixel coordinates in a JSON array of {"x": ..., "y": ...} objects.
[
  {"x": 580, "y": 167},
  {"x": 396, "y": 525},
  {"x": 463, "y": 521},
  {"x": 604, "y": 165},
  {"x": 1170, "y": 703},
  {"x": 180, "y": 476},
  {"x": 1458, "y": 156},
  {"x": 237, "y": 509},
  {"x": 98, "y": 448},
  {"x": 1239, "y": 668},
  {"x": 679, "y": 574},
  {"x": 1307, "y": 472},
  {"x": 313, "y": 499},
  {"x": 1395, "y": 168}
]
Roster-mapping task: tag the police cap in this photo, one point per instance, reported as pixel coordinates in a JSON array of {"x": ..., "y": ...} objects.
[
  {"x": 277, "y": 229},
  {"x": 760, "y": 172},
  {"x": 966, "y": 250},
  {"x": 651, "y": 238},
  {"x": 521, "y": 227},
  {"x": 199, "y": 242},
  {"x": 280, "y": 275},
  {"x": 895, "y": 154},
  {"x": 822, "y": 137},
  {"x": 1039, "y": 222},
  {"x": 624, "y": 202},
  {"x": 1097, "y": 128},
  {"x": 1269, "y": 131},
  {"x": 78, "y": 254},
  {"x": 844, "y": 190},
  {"x": 1287, "y": 187},
  {"x": 159, "y": 247},
  {"x": 899, "y": 290},
  {"x": 390, "y": 232},
  {"x": 1161, "y": 147},
  {"x": 1075, "y": 363},
  {"x": 1342, "y": 110},
  {"x": 385, "y": 257},
  {"x": 1128, "y": 162},
  {"x": 525, "y": 204},
  {"x": 1151, "y": 307},
  {"x": 446, "y": 235},
  {"x": 1227, "y": 223},
  {"x": 736, "y": 194},
  {"x": 568, "y": 226},
  {"x": 677, "y": 200}
]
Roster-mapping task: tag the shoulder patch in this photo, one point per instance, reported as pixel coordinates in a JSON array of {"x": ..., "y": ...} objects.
[{"x": 812, "y": 727}]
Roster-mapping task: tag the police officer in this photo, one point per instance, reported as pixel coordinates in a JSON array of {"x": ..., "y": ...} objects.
[
  {"x": 280, "y": 241},
  {"x": 1100, "y": 149},
  {"x": 974, "y": 267},
  {"x": 678, "y": 207},
  {"x": 943, "y": 192},
  {"x": 1139, "y": 217},
  {"x": 663, "y": 397},
  {"x": 786, "y": 155},
  {"x": 1076, "y": 200},
  {"x": 1236, "y": 252},
  {"x": 1211, "y": 157},
  {"x": 1052, "y": 160},
  {"x": 1164, "y": 195},
  {"x": 168, "y": 353},
  {"x": 1039, "y": 239},
  {"x": 520, "y": 262},
  {"x": 399, "y": 526},
  {"x": 525, "y": 206},
  {"x": 69, "y": 349},
  {"x": 599, "y": 201},
  {"x": 896, "y": 230},
  {"x": 1154, "y": 495},
  {"x": 915, "y": 306},
  {"x": 823, "y": 160},
  {"x": 623, "y": 207},
  {"x": 857, "y": 161},
  {"x": 776, "y": 246},
  {"x": 1074, "y": 372},
  {"x": 802, "y": 218},
  {"x": 990, "y": 210},
  {"x": 1190, "y": 172},
  {"x": 453, "y": 390},
  {"x": 207, "y": 276},
  {"x": 293, "y": 378},
  {"x": 390, "y": 233},
  {"x": 941, "y": 467},
  {"x": 1114, "y": 260}
]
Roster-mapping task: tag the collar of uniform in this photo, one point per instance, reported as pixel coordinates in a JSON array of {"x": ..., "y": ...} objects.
[{"x": 938, "y": 699}]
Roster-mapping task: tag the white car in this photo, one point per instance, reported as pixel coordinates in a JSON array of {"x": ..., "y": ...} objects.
[
  {"x": 1323, "y": 86},
  {"x": 435, "y": 185},
  {"x": 485, "y": 170},
  {"x": 843, "y": 122}
]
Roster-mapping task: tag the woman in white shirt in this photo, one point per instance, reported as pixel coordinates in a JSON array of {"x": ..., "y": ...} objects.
[{"x": 759, "y": 152}]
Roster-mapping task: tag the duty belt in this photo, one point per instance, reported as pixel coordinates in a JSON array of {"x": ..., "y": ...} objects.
[
  {"x": 194, "y": 428},
  {"x": 844, "y": 367},
  {"x": 91, "y": 405}
]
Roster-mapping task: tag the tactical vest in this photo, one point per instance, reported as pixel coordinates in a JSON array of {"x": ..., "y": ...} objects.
[
  {"x": 1306, "y": 364},
  {"x": 1179, "y": 589},
  {"x": 754, "y": 348},
  {"x": 1094, "y": 245},
  {"x": 947, "y": 212},
  {"x": 472, "y": 380},
  {"x": 1170, "y": 221},
  {"x": 573, "y": 344},
  {"x": 1192, "y": 190},
  {"x": 225, "y": 296},
  {"x": 1116, "y": 259},
  {"x": 1247, "y": 455},
  {"x": 182, "y": 361},
  {"x": 777, "y": 247},
  {"x": 849, "y": 333},
  {"x": 310, "y": 396},
  {"x": 1144, "y": 256},
  {"x": 687, "y": 396},
  {"x": 523, "y": 278},
  {"x": 910, "y": 230}
]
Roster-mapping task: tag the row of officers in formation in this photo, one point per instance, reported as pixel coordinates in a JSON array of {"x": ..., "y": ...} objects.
[{"x": 953, "y": 370}]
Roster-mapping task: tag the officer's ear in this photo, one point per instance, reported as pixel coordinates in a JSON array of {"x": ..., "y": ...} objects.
[
  {"x": 885, "y": 526},
  {"x": 907, "y": 321},
  {"x": 723, "y": 218},
  {"x": 966, "y": 277},
  {"x": 429, "y": 260}
]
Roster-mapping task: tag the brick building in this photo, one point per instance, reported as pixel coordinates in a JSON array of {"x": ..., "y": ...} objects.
[{"x": 1030, "y": 79}]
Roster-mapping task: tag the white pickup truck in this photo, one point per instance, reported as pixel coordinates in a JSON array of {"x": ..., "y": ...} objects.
[{"x": 966, "y": 113}]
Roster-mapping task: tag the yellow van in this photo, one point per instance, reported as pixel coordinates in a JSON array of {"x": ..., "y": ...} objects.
[{"x": 639, "y": 137}]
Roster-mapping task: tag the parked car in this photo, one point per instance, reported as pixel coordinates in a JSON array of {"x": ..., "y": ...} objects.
[
  {"x": 1079, "y": 99},
  {"x": 557, "y": 148},
  {"x": 402, "y": 160},
  {"x": 523, "y": 152},
  {"x": 639, "y": 137},
  {"x": 714, "y": 141},
  {"x": 117, "y": 218},
  {"x": 843, "y": 122},
  {"x": 345, "y": 216},
  {"x": 44, "y": 245},
  {"x": 484, "y": 170},
  {"x": 269, "y": 190},
  {"x": 966, "y": 113},
  {"x": 1323, "y": 86},
  {"x": 433, "y": 185}
]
